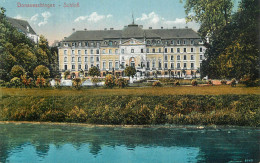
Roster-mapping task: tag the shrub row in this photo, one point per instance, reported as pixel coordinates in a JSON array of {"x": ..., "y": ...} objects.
[{"x": 179, "y": 109}]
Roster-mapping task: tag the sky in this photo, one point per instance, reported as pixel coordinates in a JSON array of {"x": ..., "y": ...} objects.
[{"x": 57, "y": 22}]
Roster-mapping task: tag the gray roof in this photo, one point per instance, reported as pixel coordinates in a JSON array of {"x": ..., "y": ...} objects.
[
  {"x": 132, "y": 31},
  {"x": 21, "y": 25}
]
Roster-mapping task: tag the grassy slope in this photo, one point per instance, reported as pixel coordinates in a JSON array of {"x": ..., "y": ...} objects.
[{"x": 179, "y": 105}]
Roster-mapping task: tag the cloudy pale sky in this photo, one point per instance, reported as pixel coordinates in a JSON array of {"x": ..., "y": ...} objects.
[{"x": 57, "y": 22}]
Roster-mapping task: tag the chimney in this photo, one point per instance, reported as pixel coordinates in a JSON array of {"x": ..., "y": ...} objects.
[
  {"x": 161, "y": 27},
  {"x": 141, "y": 26},
  {"x": 111, "y": 28},
  {"x": 85, "y": 29},
  {"x": 105, "y": 29},
  {"x": 73, "y": 29},
  {"x": 150, "y": 28},
  {"x": 174, "y": 27}
]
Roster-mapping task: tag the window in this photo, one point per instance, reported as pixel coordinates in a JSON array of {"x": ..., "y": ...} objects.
[
  {"x": 73, "y": 67},
  {"x": 200, "y": 42},
  {"x": 97, "y": 51},
  {"x": 191, "y": 42},
  {"x": 160, "y": 64},
  {"x": 116, "y": 51},
  {"x": 191, "y": 57},
  {"x": 97, "y": 59},
  {"x": 148, "y": 65},
  {"x": 110, "y": 51},
  {"x": 79, "y": 59},
  {"x": 191, "y": 49},
  {"x": 105, "y": 43},
  {"x": 86, "y": 59},
  {"x": 92, "y": 44},
  {"x": 200, "y": 57},
  {"x": 86, "y": 43},
  {"x": 178, "y": 65},
  {"x": 79, "y": 43},
  {"x": 184, "y": 42},
  {"x": 91, "y": 59},
  {"x": 86, "y": 51},
  {"x": 171, "y": 50},
  {"x": 153, "y": 64},
  {"x": 66, "y": 44},
  {"x": 65, "y": 52},
  {"x": 115, "y": 43},
  {"x": 104, "y": 51},
  {"x": 65, "y": 67},
  {"x": 178, "y": 50},
  {"x": 117, "y": 65},
  {"x": 104, "y": 65},
  {"x": 65, "y": 59},
  {"x": 142, "y": 50},
  {"x": 98, "y": 44},
  {"x": 165, "y": 57},
  {"x": 79, "y": 67},
  {"x": 160, "y": 50},
  {"x": 172, "y": 42},
  {"x": 123, "y": 65},
  {"x": 86, "y": 66},
  {"x": 110, "y": 43},
  {"x": 98, "y": 66},
  {"x": 200, "y": 49},
  {"x": 147, "y": 50},
  {"x": 165, "y": 65},
  {"x": 184, "y": 58},
  {"x": 110, "y": 65},
  {"x": 184, "y": 50},
  {"x": 91, "y": 51},
  {"x": 172, "y": 57},
  {"x": 172, "y": 65},
  {"x": 122, "y": 51},
  {"x": 153, "y": 50},
  {"x": 73, "y": 44},
  {"x": 73, "y": 52},
  {"x": 158, "y": 42},
  {"x": 148, "y": 42},
  {"x": 132, "y": 50},
  {"x": 178, "y": 58},
  {"x": 165, "y": 50},
  {"x": 178, "y": 42},
  {"x": 185, "y": 65},
  {"x": 91, "y": 65},
  {"x": 192, "y": 65},
  {"x": 73, "y": 59}
]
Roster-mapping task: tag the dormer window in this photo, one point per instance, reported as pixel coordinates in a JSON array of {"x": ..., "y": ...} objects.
[
  {"x": 73, "y": 44},
  {"x": 132, "y": 50},
  {"x": 184, "y": 42},
  {"x": 158, "y": 42},
  {"x": 178, "y": 42},
  {"x": 105, "y": 42},
  {"x": 191, "y": 42},
  {"x": 148, "y": 42},
  {"x": 86, "y": 43},
  {"x": 110, "y": 43},
  {"x": 172, "y": 42}
]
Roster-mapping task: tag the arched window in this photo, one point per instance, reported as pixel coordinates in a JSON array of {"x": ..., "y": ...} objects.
[
  {"x": 148, "y": 42},
  {"x": 178, "y": 58}
]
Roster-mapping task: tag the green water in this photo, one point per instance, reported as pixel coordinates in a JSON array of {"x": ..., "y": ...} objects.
[{"x": 65, "y": 143}]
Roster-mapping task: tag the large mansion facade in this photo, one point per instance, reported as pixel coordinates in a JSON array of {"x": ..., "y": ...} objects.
[{"x": 177, "y": 52}]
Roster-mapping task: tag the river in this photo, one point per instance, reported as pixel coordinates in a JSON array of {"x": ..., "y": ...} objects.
[{"x": 28, "y": 142}]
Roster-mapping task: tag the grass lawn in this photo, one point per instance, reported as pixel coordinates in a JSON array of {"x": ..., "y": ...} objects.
[{"x": 147, "y": 91}]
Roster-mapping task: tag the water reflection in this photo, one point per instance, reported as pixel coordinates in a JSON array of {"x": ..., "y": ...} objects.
[{"x": 57, "y": 143}]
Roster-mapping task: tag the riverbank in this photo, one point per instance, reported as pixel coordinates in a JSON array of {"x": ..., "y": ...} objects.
[{"x": 139, "y": 109}]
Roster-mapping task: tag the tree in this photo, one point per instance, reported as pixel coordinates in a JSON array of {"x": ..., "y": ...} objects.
[
  {"x": 42, "y": 71},
  {"x": 94, "y": 71},
  {"x": 211, "y": 14},
  {"x": 130, "y": 71},
  {"x": 17, "y": 71}
]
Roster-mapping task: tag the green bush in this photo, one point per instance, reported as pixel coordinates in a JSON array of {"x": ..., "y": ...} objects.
[
  {"x": 17, "y": 71},
  {"x": 157, "y": 84},
  {"x": 77, "y": 83},
  {"x": 110, "y": 81},
  {"x": 223, "y": 82},
  {"x": 194, "y": 83},
  {"x": 249, "y": 81},
  {"x": 15, "y": 82},
  {"x": 121, "y": 82},
  {"x": 42, "y": 71},
  {"x": 233, "y": 82}
]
